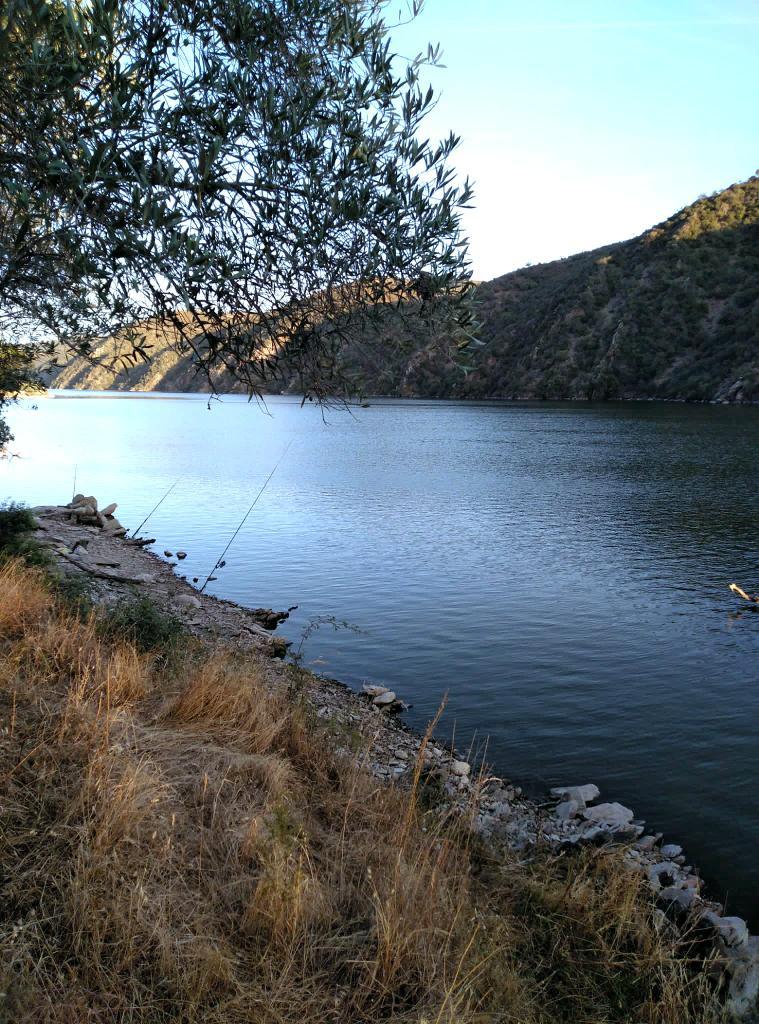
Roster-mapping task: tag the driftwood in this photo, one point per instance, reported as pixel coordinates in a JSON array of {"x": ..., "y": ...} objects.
[
  {"x": 752, "y": 599},
  {"x": 140, "y": 542},
  {"x": 112, "y": 576}
]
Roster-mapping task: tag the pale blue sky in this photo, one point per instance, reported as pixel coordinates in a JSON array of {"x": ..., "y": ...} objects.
[{"x": 586, "y": 121}]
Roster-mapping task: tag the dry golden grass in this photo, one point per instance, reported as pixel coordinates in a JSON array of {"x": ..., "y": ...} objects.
[{"x": 181, "y": 845}]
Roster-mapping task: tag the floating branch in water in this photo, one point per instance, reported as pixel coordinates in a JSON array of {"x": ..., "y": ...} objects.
[{"x": 742, "y": 593}]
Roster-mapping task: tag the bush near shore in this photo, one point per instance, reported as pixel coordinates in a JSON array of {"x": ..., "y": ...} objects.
[{"x": 179, "y": 843}]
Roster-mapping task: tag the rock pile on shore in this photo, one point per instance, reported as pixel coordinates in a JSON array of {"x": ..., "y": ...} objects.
[{"x": 84, "y": 510}]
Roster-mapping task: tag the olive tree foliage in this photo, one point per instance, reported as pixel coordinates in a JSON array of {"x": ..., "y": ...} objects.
[{"x": 249, "y": 174}]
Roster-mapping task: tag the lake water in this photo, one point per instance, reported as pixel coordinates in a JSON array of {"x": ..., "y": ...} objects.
[{"x": 559, "y": 570}]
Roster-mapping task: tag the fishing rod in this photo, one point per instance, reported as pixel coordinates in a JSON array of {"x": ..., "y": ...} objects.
[
  {"x": 220, "y": 559},
  {"x": 155, "y": 508}
]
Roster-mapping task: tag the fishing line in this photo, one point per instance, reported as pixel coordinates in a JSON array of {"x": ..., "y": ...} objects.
[
  {"x": 220, "y": 559},
  {"x": 135, "y": 532}
]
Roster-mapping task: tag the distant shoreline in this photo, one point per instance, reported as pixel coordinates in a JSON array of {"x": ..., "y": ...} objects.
[{"x": 71, "y": 393}]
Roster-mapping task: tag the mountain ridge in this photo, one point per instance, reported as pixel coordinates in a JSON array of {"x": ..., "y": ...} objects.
[{"x": 670, "y": 314}]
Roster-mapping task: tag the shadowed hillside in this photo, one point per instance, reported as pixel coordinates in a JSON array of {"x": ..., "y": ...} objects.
[{"x": 671, "y": 314}]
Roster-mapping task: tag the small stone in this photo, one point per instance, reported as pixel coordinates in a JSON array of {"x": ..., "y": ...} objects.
[
  {"x": 85, "y": 511},
  {"x": 671, "y": 850},
  {"x": 109, "y": 509},
  {"x": 181, "y": 555},
  {"x": 169, "y": 554},
  {"x": 382, "y": 699},
  {"x": 187, "y": 601},
  {"x": 460, "y": 768},
  {"x": 584, "y": 794},
  {"x": 610, "y": 814}
]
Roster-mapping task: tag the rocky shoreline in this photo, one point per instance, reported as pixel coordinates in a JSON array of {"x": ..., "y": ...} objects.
[{"x": 89, "y": 541}]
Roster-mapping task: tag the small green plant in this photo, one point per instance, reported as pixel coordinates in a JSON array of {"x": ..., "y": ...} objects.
[
  {"x": 74, "y": 592},
  {"x": 139, "y": 621},
  {"x": 16, "y": 540}
]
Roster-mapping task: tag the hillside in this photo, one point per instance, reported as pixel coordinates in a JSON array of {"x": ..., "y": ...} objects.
[{"x": 671, "y": 314}]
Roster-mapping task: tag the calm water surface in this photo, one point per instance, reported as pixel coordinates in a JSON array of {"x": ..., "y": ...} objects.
[{"x": 560, "y": 570}]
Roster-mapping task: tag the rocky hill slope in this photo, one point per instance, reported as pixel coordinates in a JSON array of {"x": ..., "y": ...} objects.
[{"x": 671, "y": 314}]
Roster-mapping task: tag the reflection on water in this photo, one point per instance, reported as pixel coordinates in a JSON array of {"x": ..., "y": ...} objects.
[{"x": 560, "y": 570}]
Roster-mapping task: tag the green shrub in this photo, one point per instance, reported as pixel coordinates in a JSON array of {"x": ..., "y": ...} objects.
[
  {"x": 140, "y": 621},
  {"x": 16, "y": 540},
  {"x": 74, "y": 591}
]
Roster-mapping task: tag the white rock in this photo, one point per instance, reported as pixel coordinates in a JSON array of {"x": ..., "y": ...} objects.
[
  {"x": 460, "y": 768},
  {"x": 610, "y": 814},
  {"x": 732, "y": 931},
  {"x": 682, "y": 897},
  {"x": 384, "y": 699},
  {"x": 375, "y": 691},
  {"x": 187, "y": 601},
  {"x": 584, "y": 794},
  {"x": 566, "y": 810},
  {"x": 671, "y": 850},
  {"x": 109, "y": 509}
]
